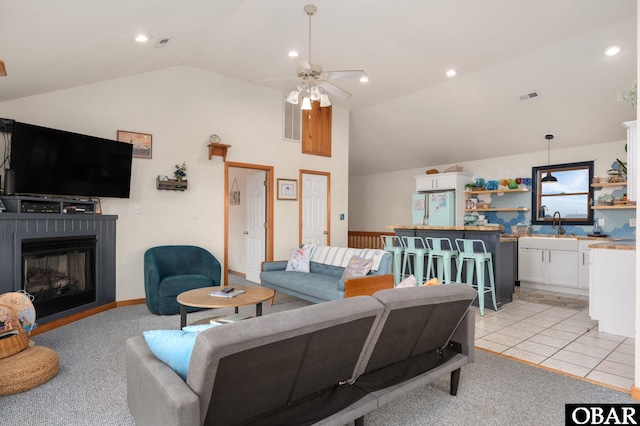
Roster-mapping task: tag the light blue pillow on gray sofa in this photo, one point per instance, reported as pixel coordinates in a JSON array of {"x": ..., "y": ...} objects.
[{"x": 174, "y": 347}]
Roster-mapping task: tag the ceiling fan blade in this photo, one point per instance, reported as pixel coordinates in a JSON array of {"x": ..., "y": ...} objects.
[
  {"x": 350, "y": 74},
  {"x": 3, "y": 70},
  {"x": 303, "y": 63},
  {"x": 334, "y": 90},
  {"x": 265, "y": 80}
]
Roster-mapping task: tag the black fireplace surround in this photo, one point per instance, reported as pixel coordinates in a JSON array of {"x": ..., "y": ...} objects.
[{"x": 67, "y": 262}]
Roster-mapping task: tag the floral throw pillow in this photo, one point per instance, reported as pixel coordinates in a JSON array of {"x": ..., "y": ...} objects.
[
  {"x": 357, "y": 267},
  {"x": 298, "y": 260}
]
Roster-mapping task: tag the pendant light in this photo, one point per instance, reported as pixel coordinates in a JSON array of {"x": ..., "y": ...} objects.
[{"x": 549, "y": 178}]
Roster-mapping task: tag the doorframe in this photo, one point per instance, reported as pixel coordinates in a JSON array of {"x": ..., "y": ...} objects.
[
  {"x": 300, "y": 203},
  {"x": 268, "y": 211}
]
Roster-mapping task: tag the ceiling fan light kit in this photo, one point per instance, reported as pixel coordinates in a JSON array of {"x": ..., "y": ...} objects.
[{"x": 315, "y": 82}]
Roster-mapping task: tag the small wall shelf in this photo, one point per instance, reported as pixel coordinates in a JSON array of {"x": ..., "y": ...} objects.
[
  {"x": 218, "y": 149},
  {"x": 608, "y": 184},
  {"x": 615, "y": 207},
  {"x": 171, "y": 185},
  {"x": 499, "y": 209},
  {"x": 497, "y": 191}
]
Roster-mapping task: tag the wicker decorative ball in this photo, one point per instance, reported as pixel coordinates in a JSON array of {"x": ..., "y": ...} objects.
[{"x": 27, "y": 369}]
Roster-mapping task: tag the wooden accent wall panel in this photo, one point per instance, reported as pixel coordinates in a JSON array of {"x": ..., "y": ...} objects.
[{"x": 316, "y": 130}]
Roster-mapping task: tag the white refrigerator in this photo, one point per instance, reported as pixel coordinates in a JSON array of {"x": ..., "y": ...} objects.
[{"x": 434, "y": 209}]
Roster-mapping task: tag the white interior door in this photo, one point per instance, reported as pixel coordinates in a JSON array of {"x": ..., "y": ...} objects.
[
  {"x": 314, "y": 209},
  {"x": 256, "y": 219}
]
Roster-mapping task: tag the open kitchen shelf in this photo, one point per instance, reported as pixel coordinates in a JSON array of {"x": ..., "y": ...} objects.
[
  {"x": 608, "y": 184},
  {"x": 497, "y": 191},
  {"x": 615, "y": 207},
  {"x": 500, "y": 209}
]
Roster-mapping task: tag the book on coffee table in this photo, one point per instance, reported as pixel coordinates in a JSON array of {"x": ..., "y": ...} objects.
[{"x": 233, "y": 293}]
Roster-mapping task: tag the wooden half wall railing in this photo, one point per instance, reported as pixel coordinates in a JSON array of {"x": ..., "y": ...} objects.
[{"x": 366, "y": 239}]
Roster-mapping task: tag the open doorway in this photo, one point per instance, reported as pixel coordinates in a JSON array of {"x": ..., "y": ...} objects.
[{"x": 248, "y": 219}]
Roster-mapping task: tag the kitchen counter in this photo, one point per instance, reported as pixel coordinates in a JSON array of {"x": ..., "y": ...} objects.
[
  {"x": 449, "y": 228},
  {"x": 615, "y": 245},
  {"x": 502, "y": 249},
  {"x": 577, "y": 237}
]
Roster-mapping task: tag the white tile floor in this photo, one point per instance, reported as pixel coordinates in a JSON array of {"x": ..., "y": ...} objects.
[{"x": 560, "y": 339}]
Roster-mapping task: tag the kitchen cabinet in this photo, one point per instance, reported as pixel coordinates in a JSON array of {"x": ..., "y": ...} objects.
[
  {"x": 613, "y": 292},
  {"x": 438, "y": 182},
  {"x": 550, "y": 264},
  {"x": 631, "y": 158},
  {"x": 454, "y": 181},
  {"x": 584, "y": 263}
]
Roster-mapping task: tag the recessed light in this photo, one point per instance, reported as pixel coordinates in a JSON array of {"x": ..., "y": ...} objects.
[
  {"x": 364, "y": 79},
  {"x": 451, "y": 73},
  {"x": 293, "y": 54},
  {"x": 612, "y": 50},
  {"x": 143, "y": 38}
]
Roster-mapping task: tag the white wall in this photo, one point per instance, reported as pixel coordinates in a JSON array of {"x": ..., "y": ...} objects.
[
  {"x": 383, "y": 199},
  {"x": 181, "y": 107}
]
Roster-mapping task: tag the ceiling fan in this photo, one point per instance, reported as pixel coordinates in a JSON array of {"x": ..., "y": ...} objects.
[
  {"x": 315, "y": 81},
  {"x": 3, "y": 70}
]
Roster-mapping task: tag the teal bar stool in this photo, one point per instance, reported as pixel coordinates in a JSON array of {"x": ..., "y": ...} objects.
[
  {"x": 441, "y": 254},
  {"x": 474, "y": 253},
  {"x": 416, "y": 248},
  {"x": 393, "y": 244}
]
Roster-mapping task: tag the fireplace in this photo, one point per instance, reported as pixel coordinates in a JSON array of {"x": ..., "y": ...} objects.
[
  {"x": 59, "y": 272},
  {"x": 82, "y": 280}
]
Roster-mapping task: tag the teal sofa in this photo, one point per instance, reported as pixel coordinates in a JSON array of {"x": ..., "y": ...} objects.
[
  {"x": 171, "y": 270},
  {"x": 324, "y": 281}
]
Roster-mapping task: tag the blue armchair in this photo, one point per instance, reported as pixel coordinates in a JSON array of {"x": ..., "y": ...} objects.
[{"x": 171, "y": 270}]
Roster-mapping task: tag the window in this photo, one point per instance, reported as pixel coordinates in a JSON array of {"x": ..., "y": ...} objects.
[{"x": 571, "y": 195}]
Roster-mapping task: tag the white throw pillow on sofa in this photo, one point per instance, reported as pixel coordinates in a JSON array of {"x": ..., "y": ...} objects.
[{"x": 298, "y": 260}]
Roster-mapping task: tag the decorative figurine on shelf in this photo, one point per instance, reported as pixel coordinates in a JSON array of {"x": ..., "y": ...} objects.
[{"x": 180, "y": 172}]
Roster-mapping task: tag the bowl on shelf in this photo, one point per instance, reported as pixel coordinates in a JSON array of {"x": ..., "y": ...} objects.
[{"x": 605, "y": 200}]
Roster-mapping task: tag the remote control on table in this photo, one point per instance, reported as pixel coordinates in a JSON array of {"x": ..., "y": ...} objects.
[{"x": 228, "y": 290}]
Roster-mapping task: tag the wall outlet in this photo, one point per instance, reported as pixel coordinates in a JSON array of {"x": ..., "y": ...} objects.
[
  {"x": 601, "y": 222},
  {"x": 138, "y": 209},
  {"x": 632, "y": 223},
  {"x": 194, "y": 214}
]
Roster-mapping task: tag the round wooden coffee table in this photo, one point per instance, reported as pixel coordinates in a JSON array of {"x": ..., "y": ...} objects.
[{"x": 199, "y": 298}]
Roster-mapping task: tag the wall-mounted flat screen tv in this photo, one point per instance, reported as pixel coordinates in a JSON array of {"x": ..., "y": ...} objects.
[{"x": 60, "y": 163}]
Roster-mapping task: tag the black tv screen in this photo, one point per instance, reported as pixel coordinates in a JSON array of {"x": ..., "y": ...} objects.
[{"x": 55, "y": 162}]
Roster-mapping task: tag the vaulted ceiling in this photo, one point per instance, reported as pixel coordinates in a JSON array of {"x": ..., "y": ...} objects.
[{"x": 409, "y": 114}]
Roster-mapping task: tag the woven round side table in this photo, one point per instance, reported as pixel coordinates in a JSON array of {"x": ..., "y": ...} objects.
[{"x": 27, "y": 369}]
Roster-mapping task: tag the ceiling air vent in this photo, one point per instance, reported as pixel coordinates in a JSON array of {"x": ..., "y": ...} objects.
[
  {"x": 162, "y": 42},
  {"x": 529, "y": 96}
]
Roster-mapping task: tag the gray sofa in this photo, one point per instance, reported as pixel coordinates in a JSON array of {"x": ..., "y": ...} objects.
[
  {"x": 327, "y": 364},
  {"x": 324, "y": 281}
]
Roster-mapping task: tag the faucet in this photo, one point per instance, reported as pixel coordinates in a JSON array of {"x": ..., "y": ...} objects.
[{"x": 553, "y": 223}]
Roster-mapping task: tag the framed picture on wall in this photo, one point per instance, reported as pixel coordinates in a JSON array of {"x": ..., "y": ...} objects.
[
  {"x": 141, "y": 142},
  {"x": 287, "y": 189}
]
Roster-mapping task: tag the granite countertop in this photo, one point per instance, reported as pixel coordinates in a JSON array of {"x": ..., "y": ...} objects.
[
  {"x": 496, "y": 228},
  {"x": 615, "y": 245}
]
